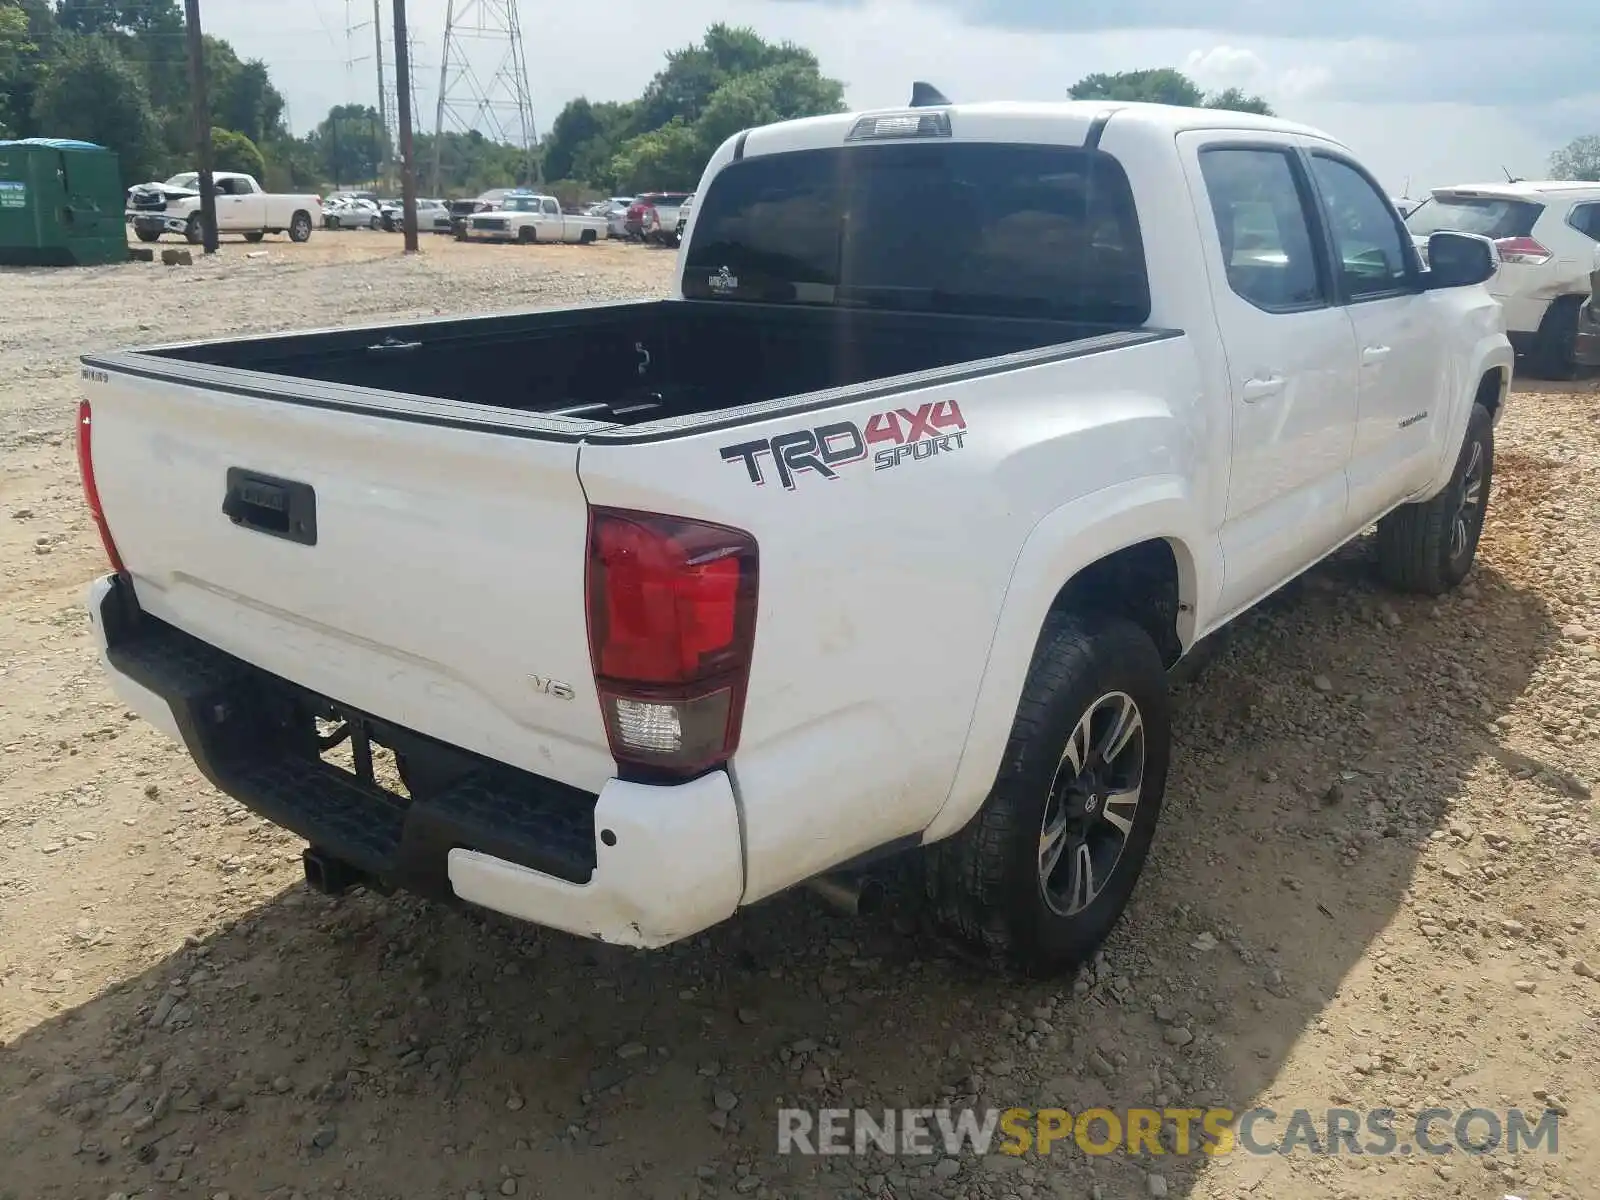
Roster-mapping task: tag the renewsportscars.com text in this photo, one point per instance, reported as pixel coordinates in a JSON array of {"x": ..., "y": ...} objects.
[{"x": 1181, "y": 1131}]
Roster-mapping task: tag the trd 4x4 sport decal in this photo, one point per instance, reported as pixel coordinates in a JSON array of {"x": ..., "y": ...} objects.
[{"x": 905, "y": 436}]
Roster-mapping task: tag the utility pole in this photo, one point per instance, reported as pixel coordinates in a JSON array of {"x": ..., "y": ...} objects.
[
  {"x": 402, "y": 82},
  {"x": 202, "y": 126},
  {"x": 383, "y": 100}
]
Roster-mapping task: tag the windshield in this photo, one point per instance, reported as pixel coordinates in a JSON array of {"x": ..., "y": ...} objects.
[
  {"x": 1018, "y": 230},
  {"x": 521, "y": 204},
  {"x": 1487, "y": 216},
  {"x": 191, "y": 181}
]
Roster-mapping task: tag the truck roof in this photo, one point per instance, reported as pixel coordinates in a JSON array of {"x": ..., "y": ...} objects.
[{"x": 1057, "y": 122}]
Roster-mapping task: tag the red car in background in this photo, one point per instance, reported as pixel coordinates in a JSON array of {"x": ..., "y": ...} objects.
[{"x": 653, "y": 216}]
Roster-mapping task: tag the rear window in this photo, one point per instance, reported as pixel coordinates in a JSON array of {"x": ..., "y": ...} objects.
[
  {"x": 1005, "y": 230},
  {"x": 1487, "y": 216}
]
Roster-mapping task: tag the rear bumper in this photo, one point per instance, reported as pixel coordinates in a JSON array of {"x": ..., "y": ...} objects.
[{"x": 636, "y": 865}]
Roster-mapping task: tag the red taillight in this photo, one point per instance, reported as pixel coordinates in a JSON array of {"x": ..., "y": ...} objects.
[
  {"x": 1522, "y": 250},
  {"x": 91, "y": 493},
  {"x": 672, "y": 617}
]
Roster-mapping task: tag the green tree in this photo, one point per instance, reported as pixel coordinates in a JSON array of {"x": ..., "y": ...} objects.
[
  {"x": 16, "y": 56},
  {"x": 232, "y": 151},
  {"x": 351, "y": 143},
  {"x": 1578, "y": 159},
  {"x": 1235, "y": 100},
  {"x": 94, "y": 94},
  {"x": 670, "y": 157},
  {"x": 730, "y": 80},
  {"x": 1163, "y": 85},
  {"x": 780, "y": 92}
]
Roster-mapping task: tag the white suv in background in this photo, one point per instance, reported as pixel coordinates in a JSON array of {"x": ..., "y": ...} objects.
[{"x": 1548, "y": 235}]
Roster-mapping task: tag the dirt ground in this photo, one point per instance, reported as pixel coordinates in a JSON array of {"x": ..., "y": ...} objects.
[{"x": 1377, "y": 883}]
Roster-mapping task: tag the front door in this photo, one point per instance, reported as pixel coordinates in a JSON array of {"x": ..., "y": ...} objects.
[
  {"x": 1405, "y": 382},
  {"x": 1291, "y": 356}
]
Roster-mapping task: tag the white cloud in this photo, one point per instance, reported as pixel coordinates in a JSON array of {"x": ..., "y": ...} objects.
[{"x": 1417, "y": 109}]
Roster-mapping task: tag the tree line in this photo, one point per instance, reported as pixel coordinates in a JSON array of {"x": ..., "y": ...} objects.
[{"x": 116, "y": 72}]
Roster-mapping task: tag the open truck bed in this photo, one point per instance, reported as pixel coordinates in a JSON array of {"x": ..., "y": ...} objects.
[{"x": 664, "y": 365}]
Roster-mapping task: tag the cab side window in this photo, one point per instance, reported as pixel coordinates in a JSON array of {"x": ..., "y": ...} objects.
[
  {"x": 551, "y": 208},
  {"x": 1263, "y": 214},
  {"x": 1372, "y": 254}
]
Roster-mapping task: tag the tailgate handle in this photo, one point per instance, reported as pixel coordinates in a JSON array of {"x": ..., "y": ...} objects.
[{"x": 280, "y": 508}]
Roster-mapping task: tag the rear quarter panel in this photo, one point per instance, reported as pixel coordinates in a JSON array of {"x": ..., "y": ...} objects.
[{"x": 882, "y": 587}]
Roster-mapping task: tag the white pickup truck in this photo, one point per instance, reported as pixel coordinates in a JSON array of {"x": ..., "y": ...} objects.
[
  {"x": 883, "y": 533},
  {"x": 529, "y": 217},
  {"x": 242, "y": 207}
]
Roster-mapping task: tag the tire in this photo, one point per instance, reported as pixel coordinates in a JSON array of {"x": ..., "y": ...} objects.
[
  {"x": 300, "y": 227},
  {"x": 375, "y": 224},
  {"x": 255, "y": 235},
  {"x": 527, "y": 235},
  {"x": 192, "y": 232},
  {"x": 147, "y": 235},
  {"x": 1428, "y": 547},
  {"x": 988, "y": 882},
  {"x": 586, "y": 237},
  {"x": 331, "y": 222},
  {"x": 1551, "y": 356}
]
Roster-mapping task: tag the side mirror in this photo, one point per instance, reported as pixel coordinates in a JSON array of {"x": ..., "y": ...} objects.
[{"x": 1460, "y": 260}]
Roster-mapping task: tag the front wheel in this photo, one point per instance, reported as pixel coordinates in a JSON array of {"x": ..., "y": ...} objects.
[
  {"x": 1429, "y": 547},
  {"x": 1044, "y": 870},
  {"x": 192, "y": 231}
]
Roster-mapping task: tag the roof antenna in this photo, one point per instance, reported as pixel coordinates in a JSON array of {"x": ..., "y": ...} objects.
[{"x": 925, "y": 95}]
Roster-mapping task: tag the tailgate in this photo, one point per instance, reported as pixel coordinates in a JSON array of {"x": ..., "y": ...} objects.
[{"x": 429, "y": 575}]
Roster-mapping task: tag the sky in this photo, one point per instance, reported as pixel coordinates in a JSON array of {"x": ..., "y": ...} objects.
[{"x": 1427, "y": 92}]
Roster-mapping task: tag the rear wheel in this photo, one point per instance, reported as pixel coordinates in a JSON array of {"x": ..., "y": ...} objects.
[
  {"x": 1429, "y": 547},
  {"x": 255, "y": 235},
  {"x": 1044, "y": 870},
  {"x": 586, "y": 238},
  {"x": 147, "y": 235},
  {"x": 1551, "y": 356},
  {"x": 300, "y": 227}
]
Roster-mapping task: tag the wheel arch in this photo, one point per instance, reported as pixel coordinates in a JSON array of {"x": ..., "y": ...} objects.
[{"x": 1132, "y": 551}]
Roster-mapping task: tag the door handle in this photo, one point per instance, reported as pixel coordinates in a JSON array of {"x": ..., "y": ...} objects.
[
  {"x": 1260, "y": 389},
  {"x": 1373, "y": 354}
]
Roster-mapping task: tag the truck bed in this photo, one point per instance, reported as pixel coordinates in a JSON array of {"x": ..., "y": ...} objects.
[{"x": 619, "y": 364}]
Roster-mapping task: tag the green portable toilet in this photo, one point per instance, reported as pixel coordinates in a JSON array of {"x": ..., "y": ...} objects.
[{"x": 61, "y": 204}]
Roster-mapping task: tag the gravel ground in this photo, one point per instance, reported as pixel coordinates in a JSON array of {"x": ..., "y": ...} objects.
[{"x": 1377, "y": 883}]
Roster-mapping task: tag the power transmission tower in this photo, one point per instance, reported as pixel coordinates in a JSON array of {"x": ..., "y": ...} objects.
[{"x": 502, "y": 109}]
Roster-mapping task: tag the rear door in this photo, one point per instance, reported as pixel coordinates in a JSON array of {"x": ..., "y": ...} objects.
[
  {"x": 1291, "y": 357},
  {"x": 436, "y": 579},
  {"x": 1403, "y": 372}
]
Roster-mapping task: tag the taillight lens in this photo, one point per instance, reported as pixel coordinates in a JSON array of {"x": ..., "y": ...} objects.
[
  {"x": 1522, "y": 250},
  {"x": 91, "y": 493},
  {"x": 672, "y": 615}
]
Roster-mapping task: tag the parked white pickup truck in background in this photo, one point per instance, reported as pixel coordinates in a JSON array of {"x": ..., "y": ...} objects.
[
  {"x": 242, "y": 207},
  {"x": 869, "y": 540},
  {"x": 530, "y": 217}
]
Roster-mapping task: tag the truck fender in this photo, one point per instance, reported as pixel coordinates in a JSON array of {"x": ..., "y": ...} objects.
[
  {"x": 1062, "y": 544},
  {"x": 1491, "y": 354}
]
